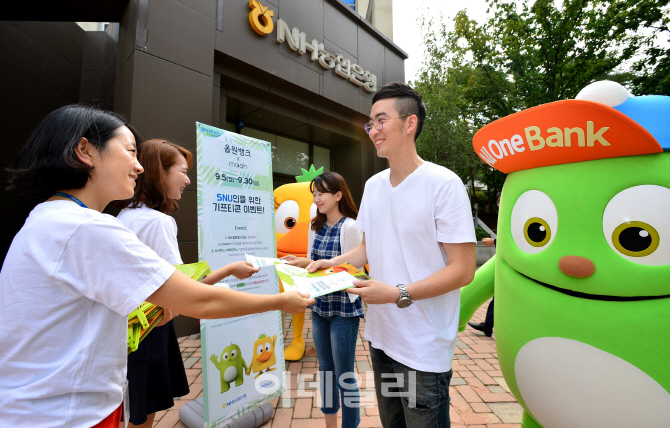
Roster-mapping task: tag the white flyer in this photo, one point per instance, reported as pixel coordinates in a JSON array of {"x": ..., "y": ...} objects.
[
  {"x": 322, "y": 285},
  {"x": 263, "y": 261}
]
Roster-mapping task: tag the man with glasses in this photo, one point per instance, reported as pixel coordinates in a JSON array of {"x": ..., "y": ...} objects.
[{"x": 419, "y": 240}]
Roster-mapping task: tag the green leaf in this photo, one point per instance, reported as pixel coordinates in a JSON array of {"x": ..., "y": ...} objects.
[{"x": 310, "y": 175}]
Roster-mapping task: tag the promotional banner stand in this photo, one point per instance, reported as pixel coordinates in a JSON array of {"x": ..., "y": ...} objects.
[
  {"x": 192, "y": 414},
  {"x": 243, "y": 365}
]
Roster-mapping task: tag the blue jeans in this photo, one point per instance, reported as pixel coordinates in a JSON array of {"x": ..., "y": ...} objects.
[
  {"x": 407, "y": 397},
  {"x": 335, "y": 343}
]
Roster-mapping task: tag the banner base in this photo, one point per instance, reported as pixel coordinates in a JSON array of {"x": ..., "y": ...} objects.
[{"x": 192, "y": 414}]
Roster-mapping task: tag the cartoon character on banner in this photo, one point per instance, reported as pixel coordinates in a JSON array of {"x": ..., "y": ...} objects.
[
  {"x": 263, "y": 355},
  {"x": 294, "y": 211},
  {"x": 230, "y": 367},
  {"x": 582, "y": 272}
]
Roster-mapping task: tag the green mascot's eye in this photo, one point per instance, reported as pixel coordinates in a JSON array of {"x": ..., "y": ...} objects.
[
  {"x": 534, "y": 222},
  {"x": 537, "y": 232},
  {"x": 636, "y": 226},
  {"x": 635, "y": 239}
]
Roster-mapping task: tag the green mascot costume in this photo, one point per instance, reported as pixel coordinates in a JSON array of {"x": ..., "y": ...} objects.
[{"x": 582, "y": 272}]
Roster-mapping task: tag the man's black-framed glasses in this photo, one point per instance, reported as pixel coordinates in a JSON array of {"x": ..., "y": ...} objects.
[{"x": 379, "y": 123}]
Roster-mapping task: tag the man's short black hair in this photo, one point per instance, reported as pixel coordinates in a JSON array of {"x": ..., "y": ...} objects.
[
  {"x": 408, "y": 102},
  {"x": 48, "y": 162}
]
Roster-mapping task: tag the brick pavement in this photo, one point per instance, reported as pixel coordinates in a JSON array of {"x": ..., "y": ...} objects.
[{"x": 480, "y": 397}]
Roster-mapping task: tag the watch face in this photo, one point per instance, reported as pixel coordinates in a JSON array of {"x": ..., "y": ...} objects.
[{"x": 404, "y": 302}]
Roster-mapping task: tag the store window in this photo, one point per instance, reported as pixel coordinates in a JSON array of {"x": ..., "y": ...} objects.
[
  {"x": 321, "y": 158},
  {"x": 288, "y": 155}
]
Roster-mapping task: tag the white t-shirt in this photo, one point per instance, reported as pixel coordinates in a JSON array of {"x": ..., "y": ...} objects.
[
  {"x": 155, "y": 229},
  {"x": 71, "y": 277},
  {"x": 403, "y": 228}
]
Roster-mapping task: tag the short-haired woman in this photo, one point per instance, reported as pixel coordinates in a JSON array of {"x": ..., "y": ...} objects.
[
  {"x": 335, "y": 317},
  {"x": 72, "y": 275},
  {"x": 156, "y": 372}
]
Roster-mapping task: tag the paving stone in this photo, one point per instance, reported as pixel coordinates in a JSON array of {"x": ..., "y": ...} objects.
[
  {"x": 496, "y": 388},
  {"x": 457, "y": 381},
  {"x": 477, "y": 385},
  {"x": 502, "y": 426},
  {"x": 372, "y": 411},
  {"x": 483, "y": 348},
  {"x": 480, "y": 408},
  {"x": 370, "y": 422},
  {"x": 190, "y": 343},
  {"x": 479, "y": 418},
  {"x": 169, "y": 420},
  {"x": 282, "y": 418},
  {"x": 484, "y": 365},
  {"x": 363, "y": 366},
  {"x": 468, "y": 394},
  {"x": 190, "y": 362},
  {"x": 303, "y": 408},
  {"x": 486, "y": 379},
  {"x": 459, "y": 403},
  {"x": 465, "y": 374},
  {"x": 509, "y": 413},
  {"x": 461, "y": 344},
  {"x": 496, "y": 397},
  {"x": 308, "y": 423},
  {"x": 501, "y": 381}
]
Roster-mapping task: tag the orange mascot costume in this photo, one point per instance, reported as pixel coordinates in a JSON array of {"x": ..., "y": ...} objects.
[{"x": 294, "y": 210}]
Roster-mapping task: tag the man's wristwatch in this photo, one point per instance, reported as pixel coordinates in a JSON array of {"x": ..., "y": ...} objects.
[{"x": 403, "y": 300}]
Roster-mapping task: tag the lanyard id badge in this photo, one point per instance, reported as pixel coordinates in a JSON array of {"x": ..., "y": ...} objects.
[{"x": 126, "y": 405}]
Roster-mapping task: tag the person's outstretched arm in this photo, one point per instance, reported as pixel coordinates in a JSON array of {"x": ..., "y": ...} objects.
[
  {"x": 458, "y": 273},
  {"x": 240, "y": 270},
  {"x": 189, "y": 297},
  {"x": 356, "y": 257}
]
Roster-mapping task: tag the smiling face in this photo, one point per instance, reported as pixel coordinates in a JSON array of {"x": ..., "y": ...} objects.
[
  {"x": 387, "y": 141},
  {"x": 588, "y": 233},
  {"x": 326, "y": 203},
  {"x": 116, "y": 168},
  {"x": 176, "y": 178}
]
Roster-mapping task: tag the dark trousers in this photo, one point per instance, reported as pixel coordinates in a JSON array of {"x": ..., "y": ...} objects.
[
  {"x": 488, "y": 322},
  {"x": 408, "y": 397}
]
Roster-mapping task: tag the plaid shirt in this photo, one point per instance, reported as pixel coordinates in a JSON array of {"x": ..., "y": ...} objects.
[{"x": 326, "y": 246}]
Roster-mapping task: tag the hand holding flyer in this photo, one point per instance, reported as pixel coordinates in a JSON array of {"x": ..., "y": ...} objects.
[
  {"x": 323, "y": 285},
  {"x": 321, "y": 282}
]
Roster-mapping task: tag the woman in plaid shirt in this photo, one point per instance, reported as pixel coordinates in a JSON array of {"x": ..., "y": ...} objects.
[{"x": 335, "y": 316}]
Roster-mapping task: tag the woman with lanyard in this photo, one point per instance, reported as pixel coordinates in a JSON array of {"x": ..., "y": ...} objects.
[
  {"x": 156, "y": 372},
  {"x": 335, "y": 316},
  {"x": 73, "y": 274}
]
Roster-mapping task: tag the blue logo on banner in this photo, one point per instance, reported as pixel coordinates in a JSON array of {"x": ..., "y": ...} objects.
[{"x": 212, "y": 132}]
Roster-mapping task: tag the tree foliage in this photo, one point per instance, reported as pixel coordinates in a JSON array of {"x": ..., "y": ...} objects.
[{"x": 529, "y": 53}]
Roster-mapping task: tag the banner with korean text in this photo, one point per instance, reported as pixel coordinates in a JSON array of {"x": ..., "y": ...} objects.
[{"x": 242, "y": 358}]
